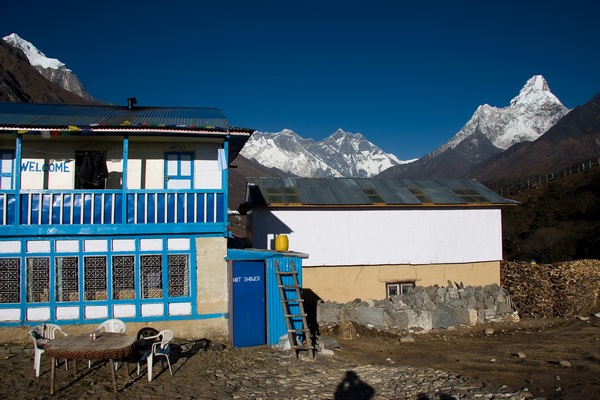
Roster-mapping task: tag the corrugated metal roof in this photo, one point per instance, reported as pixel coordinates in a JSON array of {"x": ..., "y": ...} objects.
[
  {"x": 369, "y": 192},
  {"x": 58, "y": 115},
  {"x": 110, "y": 120}
]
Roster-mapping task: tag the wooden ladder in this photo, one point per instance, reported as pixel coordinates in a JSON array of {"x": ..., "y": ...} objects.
[{"x": 290, "y": 317}]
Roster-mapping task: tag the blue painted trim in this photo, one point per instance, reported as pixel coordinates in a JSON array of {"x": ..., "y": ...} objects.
[
  {"x": 276, "y": 324},
  {"x": 8, "y": 174},
  {"x": 178, "y": 155},
  {"x": 124, "y": 177},
  {"x": 191, "y": 298},
  {"x": 23, "y": 279},
  {"x": 105, "y": 207},
  {"x": 17, "y": 184},
  {"x": 210, "y": 229},
  {"x": 100, "y": 320},
  {"x": 225, "y": 180}
]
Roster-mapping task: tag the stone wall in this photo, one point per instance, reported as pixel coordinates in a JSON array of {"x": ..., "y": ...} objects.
[{"x": 424, "y": 308}]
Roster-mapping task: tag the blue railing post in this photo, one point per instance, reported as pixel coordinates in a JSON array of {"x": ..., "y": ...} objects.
[
  {"x": 224, "y": 182},
  {"x": 124, "y": 216},
  {"x": 17, "y": 180}
]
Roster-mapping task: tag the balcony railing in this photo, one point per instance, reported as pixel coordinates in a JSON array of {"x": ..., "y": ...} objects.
[{"x": 80, "y": 207}]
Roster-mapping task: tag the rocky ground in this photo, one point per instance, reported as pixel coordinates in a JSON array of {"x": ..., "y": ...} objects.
[
  {"x": 550, "y": 359},
  {"x": 553, "y": 352}
]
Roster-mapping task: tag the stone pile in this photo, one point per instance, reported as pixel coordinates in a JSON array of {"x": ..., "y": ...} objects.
[
  {"x": 553, "y": 290},
  {"x": 423, "y": 309}
]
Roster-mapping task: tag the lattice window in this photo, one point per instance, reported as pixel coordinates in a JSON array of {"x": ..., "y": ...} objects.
[
  {"x": 123, "y": 268},
  {"x": 151, "y": 276},
  {"x": 10, "y": 280},
  {"x": 398, "y": 288},
  {"x": 67, "y": 278},
  {"x": 179, "y": 275},
  {"x": 95, "y": 272},
  {"x": 38, "y": 279}
]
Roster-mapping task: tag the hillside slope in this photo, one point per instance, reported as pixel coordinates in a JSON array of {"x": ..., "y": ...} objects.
[
  {"x": 20, "y": 82},
  {"x": 558, "y": 221},
  {"x": 574, "y": 138}
]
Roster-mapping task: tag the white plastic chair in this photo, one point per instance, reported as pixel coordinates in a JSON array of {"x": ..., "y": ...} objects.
[
  {"x": 110, "y": 325},
  {"x": 161, "y": 348},
  {"x": 42, "y": 334}
]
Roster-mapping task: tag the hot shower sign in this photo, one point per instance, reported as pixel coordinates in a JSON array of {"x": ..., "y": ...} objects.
[{"x": 55, "y": 166}]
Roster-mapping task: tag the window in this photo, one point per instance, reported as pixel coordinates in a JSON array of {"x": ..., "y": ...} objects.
[
  {"x": 151, "y": 276},
  {"x": 123, "y": 268},
  {"x": 6, "y": 169},
  {"x": 10, "y": 280},
  {"x": 418, "y": 193},
  {"x": 398, "y": 288},
  {"x": 95, "y": 278},
  {"x": 470, "y": 196},
  {"x": 38, "y": 279},
  {"x": 179, "y": 275},
  {"x": 67, "y": 278}
]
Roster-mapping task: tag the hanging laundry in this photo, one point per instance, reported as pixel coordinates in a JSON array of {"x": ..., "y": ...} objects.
[{"x": 93, "y": 169}]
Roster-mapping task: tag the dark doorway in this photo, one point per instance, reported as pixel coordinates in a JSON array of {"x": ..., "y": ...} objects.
[{"x": 90, "y": 170}]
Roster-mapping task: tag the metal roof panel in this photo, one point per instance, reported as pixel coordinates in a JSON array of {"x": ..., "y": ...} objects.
[
  {"x": 49, "y": 115},
  {"x": 370, "y": 191}
]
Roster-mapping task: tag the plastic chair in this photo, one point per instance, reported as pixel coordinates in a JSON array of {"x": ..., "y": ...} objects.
[
  {"x": 161, "y": 348},
  {"x": 110, "y": 325},
  {"x": 42, "y": 334}
]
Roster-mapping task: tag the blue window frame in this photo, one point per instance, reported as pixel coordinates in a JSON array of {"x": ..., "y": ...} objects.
[
  {"x": 179, "y": 170},
  {"x": 7, "y": 163},
  {"x": 64, "y": 273}
]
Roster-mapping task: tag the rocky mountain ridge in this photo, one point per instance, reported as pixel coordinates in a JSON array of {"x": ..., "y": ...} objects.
[
  {"x": 50, "y": 68},
  {"x": 20, "y": 82},
  {"x": 342, "y": 154},
  {"x": 491, "y": 130}
]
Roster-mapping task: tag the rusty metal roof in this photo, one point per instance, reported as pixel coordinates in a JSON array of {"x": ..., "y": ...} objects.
[{"x": 269, "y": 191}]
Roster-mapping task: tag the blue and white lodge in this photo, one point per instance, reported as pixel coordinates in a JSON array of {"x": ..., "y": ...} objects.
[{"x": 116, "y": 212}]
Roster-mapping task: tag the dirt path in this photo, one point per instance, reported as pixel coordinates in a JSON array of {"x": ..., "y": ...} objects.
[{"x": 553, "y": 359}]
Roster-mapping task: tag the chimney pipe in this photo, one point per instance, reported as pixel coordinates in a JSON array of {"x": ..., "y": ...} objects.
[{"x": 130, "y": 102}]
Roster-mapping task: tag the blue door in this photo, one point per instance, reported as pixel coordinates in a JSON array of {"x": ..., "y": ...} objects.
[{"x": 249, "y": 310}]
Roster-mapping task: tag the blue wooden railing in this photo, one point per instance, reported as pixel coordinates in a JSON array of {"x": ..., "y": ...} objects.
[{"x": 80, "y": 207}]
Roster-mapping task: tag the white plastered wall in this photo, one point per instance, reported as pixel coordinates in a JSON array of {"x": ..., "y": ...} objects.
[
  {"x": 376, "y": 237},
  {"x": 149, "y": 159},
  {"x": 207, "y": 174},
  {"x": 53, "y": 163}
]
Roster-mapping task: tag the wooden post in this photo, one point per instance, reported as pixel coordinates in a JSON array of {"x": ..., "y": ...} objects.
[
  {"x": 52, "y": 376},
  {"x": 114, "y": 375}
]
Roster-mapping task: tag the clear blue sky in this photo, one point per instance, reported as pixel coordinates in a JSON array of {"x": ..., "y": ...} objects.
[{"x": 407, "y": 75}]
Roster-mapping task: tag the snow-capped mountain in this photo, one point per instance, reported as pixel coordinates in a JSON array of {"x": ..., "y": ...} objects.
[
  {"x": 529, "y": 115},
  {"x": 342, "y": 154},
  {"x": 489, "y": 131},
  {"x": 51, "y": 68}
]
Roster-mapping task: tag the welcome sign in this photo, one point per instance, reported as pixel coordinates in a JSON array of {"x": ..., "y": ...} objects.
[{"x": 56, "y": 166}]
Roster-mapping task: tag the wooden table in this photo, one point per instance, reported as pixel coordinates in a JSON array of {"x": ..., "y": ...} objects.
[{"x": 107, "y": 346}]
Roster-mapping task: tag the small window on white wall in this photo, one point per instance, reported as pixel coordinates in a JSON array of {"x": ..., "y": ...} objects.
[
  {"x": 6, "y": 169},
  {"x": 398, "y": 288}
]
